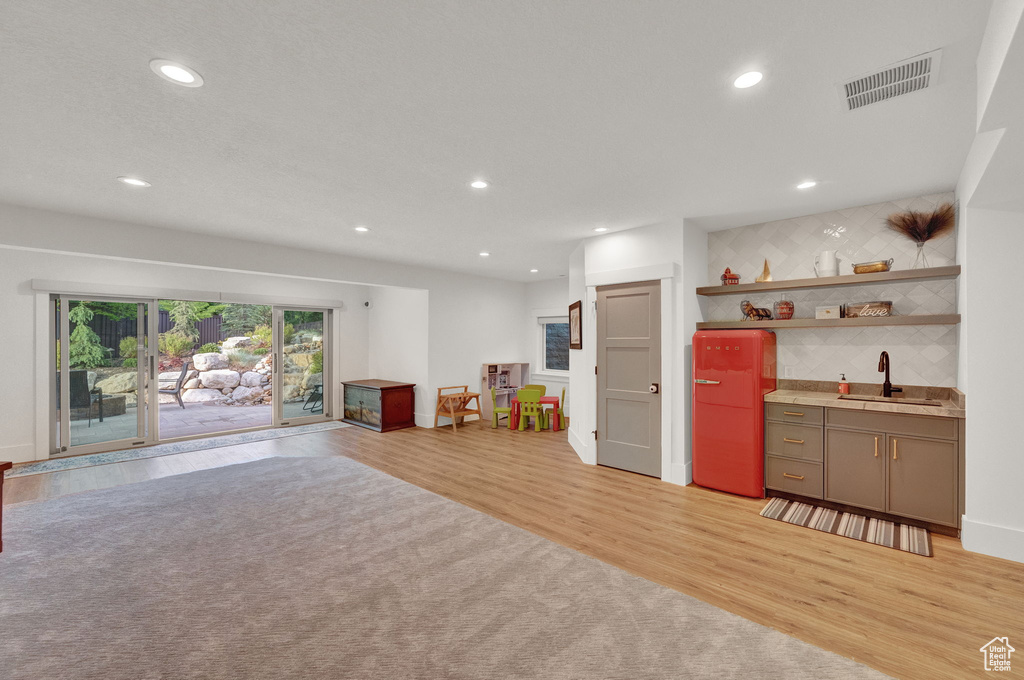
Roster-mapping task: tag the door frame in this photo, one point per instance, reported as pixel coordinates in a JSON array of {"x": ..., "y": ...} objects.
[
  {"x": 668, "y": 274},
  {"x": 327, "y": 388},
  {"x": 145, "y": 366}
]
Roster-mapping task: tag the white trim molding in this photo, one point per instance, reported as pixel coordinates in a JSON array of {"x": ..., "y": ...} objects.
[
  {"x": 992, "y": 539},
  {"x": 664, "y": 270}
]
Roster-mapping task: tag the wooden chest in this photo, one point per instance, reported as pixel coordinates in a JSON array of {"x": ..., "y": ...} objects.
[{"x": 381, "y": 405}]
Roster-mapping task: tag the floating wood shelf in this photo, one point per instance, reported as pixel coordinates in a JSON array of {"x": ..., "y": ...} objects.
[
  {"x": 950, "y": 272},
  {"x": 909, "y": 320}
]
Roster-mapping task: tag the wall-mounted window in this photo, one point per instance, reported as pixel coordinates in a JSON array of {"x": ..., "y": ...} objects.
[{"x": 554, "y": 343}]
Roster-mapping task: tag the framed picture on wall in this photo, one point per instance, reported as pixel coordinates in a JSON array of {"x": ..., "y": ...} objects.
[{"x": 576, "y": 325}]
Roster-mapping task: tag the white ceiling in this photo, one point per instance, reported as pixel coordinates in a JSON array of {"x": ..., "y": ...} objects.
[{"x": 317, "y": 116}]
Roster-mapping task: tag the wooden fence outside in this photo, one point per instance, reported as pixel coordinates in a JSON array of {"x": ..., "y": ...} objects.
[{"x": 112, "y": 331}]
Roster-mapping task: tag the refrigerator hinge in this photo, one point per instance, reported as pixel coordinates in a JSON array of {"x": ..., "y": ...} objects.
[{"x": 595, "y": 434}]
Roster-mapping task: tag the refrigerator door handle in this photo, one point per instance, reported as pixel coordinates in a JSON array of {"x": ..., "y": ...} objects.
[{"x": 702, "y": 381}]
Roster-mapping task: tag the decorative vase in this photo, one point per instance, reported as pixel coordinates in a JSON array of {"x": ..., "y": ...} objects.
[
  {"x": 784, "y": 309},
  {"x": 921, "y": 261}
]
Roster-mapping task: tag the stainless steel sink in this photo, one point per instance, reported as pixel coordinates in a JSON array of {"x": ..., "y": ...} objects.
[{"x": 892, "y": 400}]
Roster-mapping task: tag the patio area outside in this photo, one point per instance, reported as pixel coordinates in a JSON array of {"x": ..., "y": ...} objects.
[
  {"x": 194, "y": 419},
  {"x": 215, "y": 368}
]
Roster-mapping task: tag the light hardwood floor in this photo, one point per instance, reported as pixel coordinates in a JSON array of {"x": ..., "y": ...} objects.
[{"x": 905, "y": 615}]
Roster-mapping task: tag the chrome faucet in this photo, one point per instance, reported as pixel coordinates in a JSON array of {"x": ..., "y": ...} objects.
[{"x": 883, "y": 366}]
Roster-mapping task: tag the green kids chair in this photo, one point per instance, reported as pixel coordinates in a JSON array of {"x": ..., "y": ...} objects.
[
  {"x": 507, "y": 410},
  {"x": 530, "y": 406}
]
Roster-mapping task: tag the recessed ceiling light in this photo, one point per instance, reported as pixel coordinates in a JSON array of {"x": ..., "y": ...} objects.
[
  {"x": 479, "y": 184},
  {"x": 485, "y": 254},
  {"x": 600, "y": 229},
  {"x": 134, "y": 181},
  {"x": 533, "y": 271},
  {"x": 806, "y": 185},
  {"x": 748, "y": 79},
  {"x": 361, "y": 228},
  {"x": 176, "y": 73}
]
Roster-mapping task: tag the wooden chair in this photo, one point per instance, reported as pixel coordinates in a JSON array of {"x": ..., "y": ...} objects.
[
  {"x": 540, "y": 388},
  {"x": 176, "y": 390},
  {"x": 495, "y": 409},
  {"x": 456, "y": 405},
  {"x": 530, "y": 406}
]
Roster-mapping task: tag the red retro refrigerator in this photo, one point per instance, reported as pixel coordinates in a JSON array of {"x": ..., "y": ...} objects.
[{"x": 732, "y": 371}]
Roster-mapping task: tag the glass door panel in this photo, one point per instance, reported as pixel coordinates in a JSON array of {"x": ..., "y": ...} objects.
[
  {"x": 102, "y": 362},
  {"x": 301, "y": 367}
]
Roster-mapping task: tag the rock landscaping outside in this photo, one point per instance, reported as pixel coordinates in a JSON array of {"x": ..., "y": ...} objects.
[{"x": 235, "y": 371}]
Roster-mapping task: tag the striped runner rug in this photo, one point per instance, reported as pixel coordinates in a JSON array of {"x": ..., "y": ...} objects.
[{"x": 878, "y": 531}]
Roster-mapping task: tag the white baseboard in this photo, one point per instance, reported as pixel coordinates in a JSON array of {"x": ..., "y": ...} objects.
[
  {"x": 680, "y": 473},
  {"x": 23, "y": 453},
  {"x": 992, "y": 539},
  {"x": 587, "y": 454}
]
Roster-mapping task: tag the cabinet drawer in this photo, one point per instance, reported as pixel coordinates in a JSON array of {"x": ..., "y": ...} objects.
[
  {"x": 792, "y": 413},
  {"x": 794, "y": 476},
  {"x": 898, "y": 423},
  {"x": 793, "y": 441}
]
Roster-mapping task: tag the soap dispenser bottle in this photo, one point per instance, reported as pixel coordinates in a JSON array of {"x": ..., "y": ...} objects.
[{"x": 844, "y": 387}]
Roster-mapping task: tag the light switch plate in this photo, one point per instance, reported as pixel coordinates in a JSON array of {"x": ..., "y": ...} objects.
[{"x": 789, "y": 372}]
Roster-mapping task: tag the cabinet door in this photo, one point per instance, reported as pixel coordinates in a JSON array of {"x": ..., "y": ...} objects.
[
  {"x": 855, "y": 468},
  {"x": 922, "y": 478}
]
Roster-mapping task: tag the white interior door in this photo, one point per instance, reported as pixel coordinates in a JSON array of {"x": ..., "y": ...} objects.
[{"x": 302, "y": 384}]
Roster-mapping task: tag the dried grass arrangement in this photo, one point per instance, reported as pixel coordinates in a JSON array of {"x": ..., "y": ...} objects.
[{"x": 922, "y": 227}]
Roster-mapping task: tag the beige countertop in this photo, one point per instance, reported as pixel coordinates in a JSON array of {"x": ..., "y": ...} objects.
[{"x": 948, "y": 409}]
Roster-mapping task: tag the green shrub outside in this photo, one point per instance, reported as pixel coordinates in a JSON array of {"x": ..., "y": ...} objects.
[
  {"x": 128, "y": 348},
  {"x": 260, "y": 351},
  {"x": 208, "y": 347},
  {"x": 175, "y": 345},
  {"x": 263, "y": 334},
  {"x": 316, "y": 364},
  {"x": 85, "y": 350}
]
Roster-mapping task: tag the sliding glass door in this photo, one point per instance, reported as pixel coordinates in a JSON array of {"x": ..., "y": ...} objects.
[
  {"x": 302, "y": 350},
  {"x": 101, "y": 370}
]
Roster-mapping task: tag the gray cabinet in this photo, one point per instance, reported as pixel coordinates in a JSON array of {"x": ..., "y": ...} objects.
[
  {"x": 923, "y": 479},
  {"x": 856, "y": 466},
  {"x": 881, "y": 462},
  {"x": 794, "y": 447}
]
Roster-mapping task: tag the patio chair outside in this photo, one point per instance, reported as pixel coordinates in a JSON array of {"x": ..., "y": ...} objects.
[
  {"x": 82, "y": 396},
  {"x": 176, "y": 390}
]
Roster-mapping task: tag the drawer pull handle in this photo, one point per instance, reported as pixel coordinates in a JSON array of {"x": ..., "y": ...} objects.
[
  {"x": 786, "y": 474},
  {"x": 791, "y": 413},
  {"x": 876, "y": 447},
  {"x": 793, "y": 441},
  {"x": 895, "y": 443}
]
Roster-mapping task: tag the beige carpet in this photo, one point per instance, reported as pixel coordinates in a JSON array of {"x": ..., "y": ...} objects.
[{"x": 325, "y": 568}]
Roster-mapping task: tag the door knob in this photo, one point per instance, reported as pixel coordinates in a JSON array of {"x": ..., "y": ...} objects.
[{"x": 654, "y": 388}]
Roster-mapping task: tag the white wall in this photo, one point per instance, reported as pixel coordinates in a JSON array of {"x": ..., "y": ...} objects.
[
  {"x": 545, "y": 298},
  {"x": 399, "y": 324},
  {"x": 992, "y": 240},
  {"x": 676, "y": 254},
  {"x": 471, "y": 319},
  {"x": 582, "y": 387}
]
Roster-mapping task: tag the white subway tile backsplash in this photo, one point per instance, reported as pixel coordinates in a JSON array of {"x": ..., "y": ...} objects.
[{"x": 921, "y": 355}]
